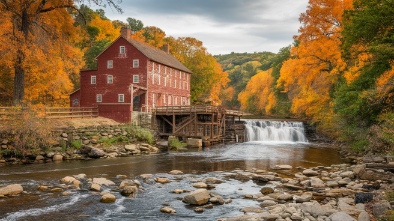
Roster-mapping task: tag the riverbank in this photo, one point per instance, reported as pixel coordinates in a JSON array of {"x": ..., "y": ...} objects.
[{"x": 336, "y": 193}]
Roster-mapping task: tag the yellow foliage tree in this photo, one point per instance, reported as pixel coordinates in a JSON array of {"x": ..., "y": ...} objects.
[
  {"x": 106, "y": 28},
  {"x": 258, "y": 95}
]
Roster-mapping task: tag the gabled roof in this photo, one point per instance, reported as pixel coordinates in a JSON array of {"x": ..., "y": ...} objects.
[{"x": 158, "y": 55}]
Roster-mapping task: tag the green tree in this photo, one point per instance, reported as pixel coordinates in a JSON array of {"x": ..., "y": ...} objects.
[{"x": 134, "y": 24}]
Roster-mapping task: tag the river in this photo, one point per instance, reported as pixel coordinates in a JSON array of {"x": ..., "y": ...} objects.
[{"x": 215, "y": 161}]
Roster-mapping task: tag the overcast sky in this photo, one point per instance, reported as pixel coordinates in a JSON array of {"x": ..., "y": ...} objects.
[{"x": 224, "y": 26}]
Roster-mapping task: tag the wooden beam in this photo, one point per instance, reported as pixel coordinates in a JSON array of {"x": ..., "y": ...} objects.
[
  {"x": 186, "y": 124},
  {"x": 169, "y": 122}
]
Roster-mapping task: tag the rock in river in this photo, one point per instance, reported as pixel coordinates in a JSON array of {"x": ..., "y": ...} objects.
[
  {"x": 198, "y": 197},
  {"x": 12, "y": 189}
]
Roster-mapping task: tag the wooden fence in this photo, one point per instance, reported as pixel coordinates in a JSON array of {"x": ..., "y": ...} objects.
[{"x": 50, "y": 112}]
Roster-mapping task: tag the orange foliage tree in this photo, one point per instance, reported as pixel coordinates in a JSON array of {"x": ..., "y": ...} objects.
[
  {"x": 316, "y": 61},
  {"x": 38, "y": 35}
]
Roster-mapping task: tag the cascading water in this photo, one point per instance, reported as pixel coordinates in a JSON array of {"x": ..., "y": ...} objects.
[{"x": 277, "y": 131}]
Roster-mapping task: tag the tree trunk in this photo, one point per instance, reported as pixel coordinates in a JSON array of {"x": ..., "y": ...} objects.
[
  {"x": 23, "y": 25},
  {"x": 19, "y": 79}
]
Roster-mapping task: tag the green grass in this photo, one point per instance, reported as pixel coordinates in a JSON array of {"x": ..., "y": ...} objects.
[{"x": 175, "y": 144}]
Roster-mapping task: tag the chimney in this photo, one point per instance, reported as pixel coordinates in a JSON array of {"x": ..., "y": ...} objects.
[
  {"x": 125, "y": 32},
  {"x": 166, "y": 48}
]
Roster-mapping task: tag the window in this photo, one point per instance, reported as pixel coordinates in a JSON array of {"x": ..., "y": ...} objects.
[
  {"x": 92, "y": 79},
  {"x": 175, "y": 84},
  {"x": 153, "y": 100},
  {"x": 99, "y": 98},
  {"x": 110, "y": 79},
  {"x": 169, "y": 99},
  {"x": 136, "y": 78},
  {"x": 122, "y": 50},
  {"x": 136, "y": 63},
  {"x": 120, "y": 97},
  {"x": 110, "y": 64}
]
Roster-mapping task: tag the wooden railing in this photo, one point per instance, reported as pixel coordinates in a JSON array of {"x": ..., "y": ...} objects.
[
  {"x": 195, "y": 109},
  {"x": 50, "y": 112},
  {"x": 71, "y": 112},
  {"x": 185, "y": 109}
]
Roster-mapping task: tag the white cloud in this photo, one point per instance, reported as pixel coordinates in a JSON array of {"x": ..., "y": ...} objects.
[{"x": 224, "y": 26}]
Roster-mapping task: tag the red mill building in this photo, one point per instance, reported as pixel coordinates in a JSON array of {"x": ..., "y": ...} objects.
[{"x": 132, "y": 75}]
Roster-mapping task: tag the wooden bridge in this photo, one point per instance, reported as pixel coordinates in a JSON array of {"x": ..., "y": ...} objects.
[{"x": 209, "y": 123}]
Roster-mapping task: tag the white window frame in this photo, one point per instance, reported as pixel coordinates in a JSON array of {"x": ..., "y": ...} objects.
[
  {"x": 136, "y": 78},
  {"x": 110, "y": 64},
  {"x": 136, "y": 63},
  {"x": 158, "y": 75},
  {"x": 153, "y": 100},
  {"x": 122, "y": 49},
  {"x": 121, "y": 98},
  {"x": 110, "y": 79},
  {"x": 169, "y": 99},
  {"x": 99, "y": 98},
  {"x": 175, "y": 84},
  {"x": 93, "y": 79}
]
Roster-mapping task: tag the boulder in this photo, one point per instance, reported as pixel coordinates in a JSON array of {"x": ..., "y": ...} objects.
[
  {"x": 39, "y": 157},
  {"x": 67, "y": 179},
  {"x": 216, "y": 199},
  {"x": 267, "y": 203},
  {"x": 317, "y": 183},
  {"x": 341, "y": 216},
  {"x": 348, "y": 174},
  {"x": 197, "y": 197},
  {"x": 96, "y": 153},
  {"x": 266, "y": 190},
  {"x": 103, "y": 181},
  {"x": 130, "y": 147},
  {"x": 167, "y": 210},
  {"x": 129, "y": 191},
  {"x": 282, "y": 167},
  {"x": 80, "y": 176},
  {"x": 285, "y": 197},
  {"x": 175, "y": 172},
  {"x": 212, "y": 180},
  {"x": 252, "y": 210},
  {"x": 108, "y": 198},
  {"x": 57, "y": 157},
  {"x": 200, "y": 185},
  {"x": 305, "y": 197},
  {"x": 178, "y": 191},
  {"x": 363, "y": 197},
  {"x": 315, "y": 209},
  {"x": 162, "y": 180},
  {"x": 363, "y": 216},
  {"x": 95, "y": 187},
  {"x": 12, "y": 189},
  {"x": 380, "y": 208},
  {"x": 310, "y": 172}
]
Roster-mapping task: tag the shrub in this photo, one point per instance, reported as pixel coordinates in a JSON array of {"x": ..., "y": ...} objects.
[
  {"x": 28, "y": 133},
  {"x": 76, "y": 144},
  {"x": 142, "y": 134},
  {"x": 175, "y": 144}
]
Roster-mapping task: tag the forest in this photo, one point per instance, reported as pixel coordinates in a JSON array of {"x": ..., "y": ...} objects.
[{"x": 338, "y": 73}]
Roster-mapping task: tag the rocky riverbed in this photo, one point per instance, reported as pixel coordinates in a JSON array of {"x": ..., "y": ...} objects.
[{"x": 325, "y": 193}]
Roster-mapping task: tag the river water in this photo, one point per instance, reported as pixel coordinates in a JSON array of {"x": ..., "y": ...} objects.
[{"x": 215, "y": 162}]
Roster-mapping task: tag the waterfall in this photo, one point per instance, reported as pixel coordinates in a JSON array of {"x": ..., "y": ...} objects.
[{"x": 277, "y": 131}]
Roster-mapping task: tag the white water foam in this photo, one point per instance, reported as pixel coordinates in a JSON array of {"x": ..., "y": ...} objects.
[
  {"x": 40, "y": 211},
  {"x": 275, "y": 131}
]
